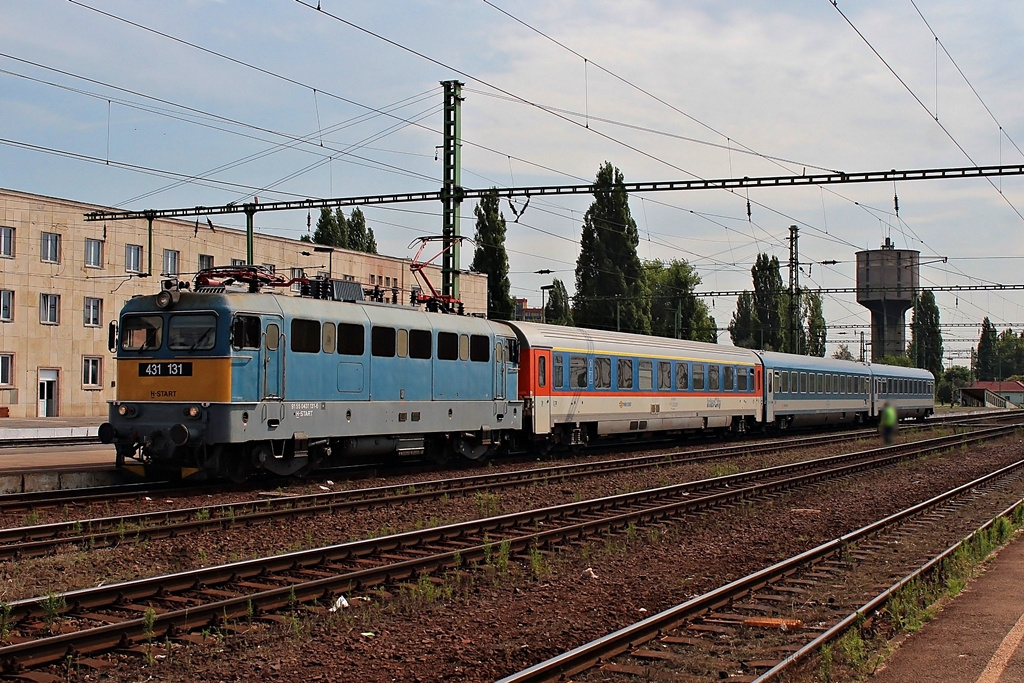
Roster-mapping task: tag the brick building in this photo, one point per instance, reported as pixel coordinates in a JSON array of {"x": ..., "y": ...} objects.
[{"x": 62, "y": 280}]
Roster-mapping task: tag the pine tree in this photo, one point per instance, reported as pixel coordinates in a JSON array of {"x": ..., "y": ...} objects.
[
  {"x": 815, "y": 325},
  {"x": 557, "y": 310},
  {"x": 925, "y": 350},
  {"x": 744, "y": 328},
  {"x": 610, "y": 289},
  {"x": 490, "y": 257},
  {"x": 986, "y": 362}
]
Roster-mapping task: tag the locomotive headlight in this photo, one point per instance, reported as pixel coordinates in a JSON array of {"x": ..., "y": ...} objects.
[
  {"x": 193, "y": 412},
  {"x": 125, "y": 410},
  {"x": 167, "y": 298}
]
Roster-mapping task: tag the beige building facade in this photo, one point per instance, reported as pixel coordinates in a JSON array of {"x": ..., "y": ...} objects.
[{"x": 63, "y": 279}]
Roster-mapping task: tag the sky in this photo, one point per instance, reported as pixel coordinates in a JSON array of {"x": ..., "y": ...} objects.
[{"x": 146, "y": 105}]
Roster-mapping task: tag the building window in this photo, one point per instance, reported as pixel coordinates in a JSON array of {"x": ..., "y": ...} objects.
[
  {"x": 205, "y": 261},
  {"x": 133, "y": 258},
  {"x": 91, "y": 372},
  {"x": 373, "y": 279},
  {"x": 93, "y": 312},
  {"x": 170, "y": 262},
  {"x": 270, "y": 267},
  {"x": 50, "y": 248},
  {"x": 7, "y": 242},
  {"x": 235, "y": 262},
  {"x": 296, "y": 274},
  {"x": 6, "y": 305},
  {"x": 93, "y": 253},
  {"x": 49, "y": 309},
  {"x": 6, "y": 369}
]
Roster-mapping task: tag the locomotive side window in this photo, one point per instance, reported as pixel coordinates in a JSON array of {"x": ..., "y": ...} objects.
[
  {"x": 305, "y": 336},
  {"x": 463, "y": 347},
  {"x": 625, "y": 373},
  {"x": 403, "y": 343},
  {"x": 479, "y": 348},
  {"x": 729, "y": 378},
  {"x": 542, "y": 371},
  {"x": 557, "y": 371},
  {"x": 245, "y": 332},
  {"x": 273, "y": 337},
  {"x": 447, "y": 346},
  {"x": 328, "y": 338},
  {"x": 578, "y": 372},
  {"x": 141, "y": 332},
  {"x": 602, "y": 372},
  {"x": 419, "y": 343},
  {"x": 682, "y": 377},
  {"x": 698, "y": 377},
  {"x": 664, "y": 376},
  {"x": 741, "y": 380},
  {"x": 713, "y": 377},
  {"x": 191, "y": 332},
  {"x": 382, "y": 341},
  {"x": 351, "y": 339},
  {"x": 645, "y": 375}
]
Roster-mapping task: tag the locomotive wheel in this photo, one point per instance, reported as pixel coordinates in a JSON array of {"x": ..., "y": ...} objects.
[{"x": 437, "y": 451}]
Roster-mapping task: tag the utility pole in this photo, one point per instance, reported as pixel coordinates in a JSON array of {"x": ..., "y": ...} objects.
[
  {"x": 451, "y": 189},
  {"x": 794, "y": 290}
]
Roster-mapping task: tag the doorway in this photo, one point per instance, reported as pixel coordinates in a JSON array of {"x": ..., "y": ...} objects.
[{"x": 47, "y": 404}]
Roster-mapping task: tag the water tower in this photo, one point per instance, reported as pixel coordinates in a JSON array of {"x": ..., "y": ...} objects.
[{"x": 887, "y": 283}]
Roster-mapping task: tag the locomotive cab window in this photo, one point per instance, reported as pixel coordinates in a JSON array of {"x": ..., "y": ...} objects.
[
  {"x": 351, "y": 341},
  {"x": 480, "y": 349},
  {"x": 625, "y": 373},
  {"x": 245, "y": 332},
  {"x": 192, "y": 332},
  {"x": 141, "y": 332},
  {"x": 557, "y": 371},
  {"x": 305, "y": 336}
]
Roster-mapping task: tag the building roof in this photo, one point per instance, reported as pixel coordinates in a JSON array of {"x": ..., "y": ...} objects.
[{"x": 1013, "y": 386}]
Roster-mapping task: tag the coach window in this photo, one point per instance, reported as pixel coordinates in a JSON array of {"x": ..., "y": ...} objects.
[
  {"x": 479, "y": 348},
  {"x": 542, "y": 371},
  {"x": 305, "y": 336},
  {"x": 419, "y": 343},
  {"x": 645, "y": 376},
  {"x": 402, "y": 345},
  {"x": 682, "y": 376},
  {"x": 821, "y": 383},
  {"x": 782, "y": 381},
  {"x": 141, "y": 332},
  {"x": 382, "y": 341},
  {"x": 664, "y": 376},
  {"x": 714, "y": 373},
  {"x": 741, "y": 380},
  {"x": 625, "y": 368},
  {"x": 351, "y": 339},
  {"x": 751, "y": 384},
  {"x": 245, "y": 332},
  {"x": 463, "y": 347},
  {"x": 730, "y": 378},
  {"x": 698, "y": 377},
  {"x": 447, "y": 346},
  {"x": 803, "y": 384},
  {"x": 828, "y": 384},
  {"x": 578, "y": 372},
  {"x": 602, "y": 372},
  {"x": 557, "y": 371},
  {"x": 328, "y": 338}
]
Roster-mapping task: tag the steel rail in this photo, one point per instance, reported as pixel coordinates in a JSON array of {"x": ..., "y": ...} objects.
[
  {"x": 585, "y": 656},
  {"x": 520, "y": 531},
  {"x": 36, "y": 540}
]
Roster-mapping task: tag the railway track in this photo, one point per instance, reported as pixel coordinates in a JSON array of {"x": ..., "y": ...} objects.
[
  {"x": 36, "y": 540},
  {"x": 758, "y": 627},
  {"x": 46, "y": 629},
  {"x": 36, "y": 500}
]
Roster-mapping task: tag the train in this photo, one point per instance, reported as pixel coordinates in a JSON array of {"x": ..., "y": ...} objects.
[{"x": 227, "y": 378}]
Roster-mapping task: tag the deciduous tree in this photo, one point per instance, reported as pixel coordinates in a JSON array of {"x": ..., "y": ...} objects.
[{"x": 490, "y": 256}]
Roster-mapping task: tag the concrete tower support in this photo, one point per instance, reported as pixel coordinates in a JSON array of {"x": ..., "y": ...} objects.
[{"x": 887, "y": 283}]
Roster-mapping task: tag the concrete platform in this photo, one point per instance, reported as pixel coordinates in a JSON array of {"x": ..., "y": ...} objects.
[
  {"x": 48, "y": 428},
  {"x": 976, "y": 638}
]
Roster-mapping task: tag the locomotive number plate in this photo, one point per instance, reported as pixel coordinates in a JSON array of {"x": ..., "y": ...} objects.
[{"x": 165, "y": 369}]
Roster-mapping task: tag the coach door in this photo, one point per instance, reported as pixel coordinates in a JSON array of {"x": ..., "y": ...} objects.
[
  {"x": 273, "y": 367},
  {"x": 541, "y": 381},
  {"x": 770, "y": 379}
]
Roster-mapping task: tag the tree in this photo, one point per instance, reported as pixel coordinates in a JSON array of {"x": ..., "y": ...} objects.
[
  {"x": 675, "y": 311},
  {"x": 770, "y": 301},
  {"x": 843, "y": 353},
  {"x": 610, "y": 289},
  {"x": 900, "y": 361},
  {"x": 558, "y": 311},
  {"x": 490, "y": 257},
  {"x": 744, "y": 327},
  {"x": 815, "y": 325},
  {"x": 357, "y": 237},
  {"x": 371, "y": 242},
  {"x": 925, "y": 350},
  {"x": 326, "y": 228},
  {"x": 342, "y": 233},
  {"x": 953, "y": 379},
  {"x": 986, "y": 362}
]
